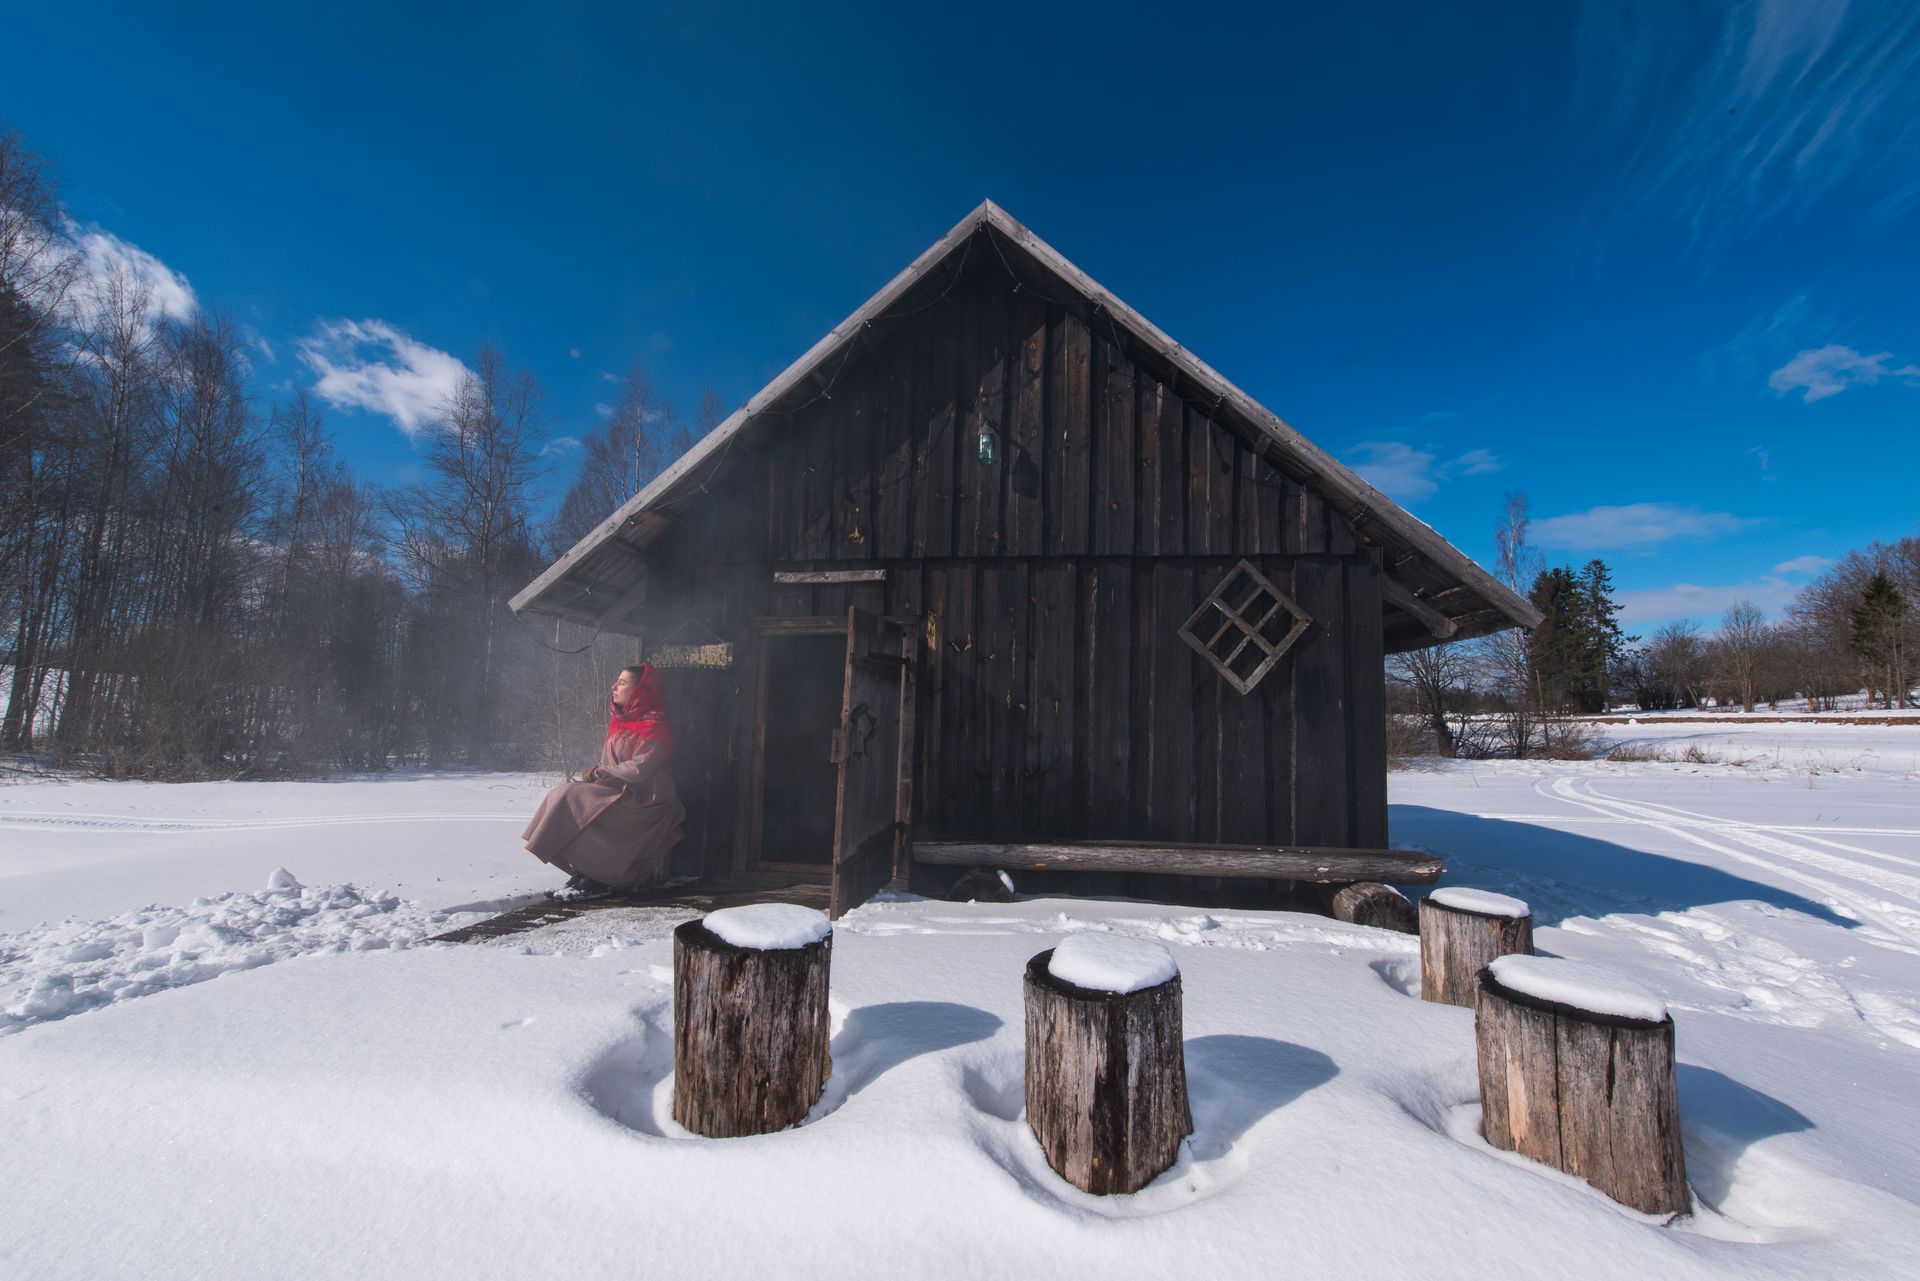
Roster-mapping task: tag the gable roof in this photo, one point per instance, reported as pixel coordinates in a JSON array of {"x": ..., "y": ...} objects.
[{"x": 1433, "y": 591}]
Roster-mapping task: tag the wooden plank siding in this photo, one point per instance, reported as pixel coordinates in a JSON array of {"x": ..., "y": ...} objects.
[{"x": 1055, "y": 700}]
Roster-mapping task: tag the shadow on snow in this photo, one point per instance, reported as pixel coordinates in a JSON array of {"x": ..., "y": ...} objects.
[{"x": 1563, "y": 874}]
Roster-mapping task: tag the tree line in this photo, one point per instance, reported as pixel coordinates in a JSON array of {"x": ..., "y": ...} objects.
[
  {"x": 1854, "y": 629},
  {"x": 193, "y": 584}
]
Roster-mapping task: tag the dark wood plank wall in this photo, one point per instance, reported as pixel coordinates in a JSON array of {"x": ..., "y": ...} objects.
[
  {"x": 1095, "y": 455},
  {"x": 1056, "y": 699}
]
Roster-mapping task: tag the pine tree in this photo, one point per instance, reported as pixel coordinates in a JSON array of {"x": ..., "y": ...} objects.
[
  {"x": 1556, "y": 650},
  {"x": 1878, "y": 636},
  {"x": 1601, "y": 643}
]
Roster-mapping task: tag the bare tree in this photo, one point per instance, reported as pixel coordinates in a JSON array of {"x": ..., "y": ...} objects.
[
  {"x": 1437, "y": 684},
  {"x": 1504, "y": 656},
  {"x": 37, "y": 270},
  {"x": 1742, "y": 640},
  {"x": 117, "y": 390},
  {"x": 1666, "y": 671},
  {"x": 618, "y": 459},
  {"x": 711, "y": 413},
  {"x": 463, "y": 538}
]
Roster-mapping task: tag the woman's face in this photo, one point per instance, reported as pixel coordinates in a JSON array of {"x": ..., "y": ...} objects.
[{"x": 623, "y": 688}]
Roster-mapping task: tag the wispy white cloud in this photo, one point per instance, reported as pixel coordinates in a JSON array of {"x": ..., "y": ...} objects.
[
  {"x": 108, "y": 264},
  {"x": 260, "y": 344},
  {"x": 370, "y": 365},
  {"x": 1409, "y": 475},
  {"x": 1634, "y": 527},
  {"x": 1397, "y": 470},
  {"x": 1830, "y": 370},
  {"x": 603, "y": 409},
  {"x": 1761, "y": 340},
  {"x": 1475, "y": 462},
  {"x": 560, "y": 445},
  {"x": 1744, "y": 113},
  {"x": 1802, "y": 565},
  {"x": 1705, "y": 602}
]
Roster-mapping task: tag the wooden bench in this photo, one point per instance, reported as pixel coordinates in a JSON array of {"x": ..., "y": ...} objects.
[{"x": 1318, "y": 865}]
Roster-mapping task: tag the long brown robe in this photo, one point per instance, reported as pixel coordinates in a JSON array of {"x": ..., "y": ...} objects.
[{"x": 618, "y": 833}]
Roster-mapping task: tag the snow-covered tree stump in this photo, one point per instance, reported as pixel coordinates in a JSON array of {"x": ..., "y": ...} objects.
[
  {"x": 1461, "y": 932},
  {"x": 1576, "y": 1071},
  {"x": 750, "y": 1018},
  {"x": 1373, "y": 903},
  {"x": 1106, "y": 1067}
]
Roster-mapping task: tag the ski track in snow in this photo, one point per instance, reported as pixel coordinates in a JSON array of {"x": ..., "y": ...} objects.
[
  {"x": 1770, "y": 980},
  {"x": 1899, "y": 921}
]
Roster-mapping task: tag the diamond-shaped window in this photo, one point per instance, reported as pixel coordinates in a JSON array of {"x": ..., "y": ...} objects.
[{"x": 1244, "y": 627}]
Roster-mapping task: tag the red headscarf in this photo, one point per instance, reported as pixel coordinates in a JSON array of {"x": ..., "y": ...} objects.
[{"x": 644, "y": 718}]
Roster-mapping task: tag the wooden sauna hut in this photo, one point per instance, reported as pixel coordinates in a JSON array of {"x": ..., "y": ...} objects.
[{"x": 999, "y": 575}]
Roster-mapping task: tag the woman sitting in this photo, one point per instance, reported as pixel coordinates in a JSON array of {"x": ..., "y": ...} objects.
[{"x": 615, "y": 828}]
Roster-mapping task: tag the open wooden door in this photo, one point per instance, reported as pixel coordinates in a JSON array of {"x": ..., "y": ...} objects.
[{"x": 874, "y": 750}]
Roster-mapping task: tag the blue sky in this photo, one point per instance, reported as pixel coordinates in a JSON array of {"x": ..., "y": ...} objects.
[{"x": 1653, "y": 264}]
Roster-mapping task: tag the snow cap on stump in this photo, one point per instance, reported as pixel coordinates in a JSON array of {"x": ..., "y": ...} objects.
[
  {"x": 1110, "y": 963},
  {"x": 1480, "y": 902},
  {"x": 769, "y": 927},
  {"x": 1577, "y": 986}
]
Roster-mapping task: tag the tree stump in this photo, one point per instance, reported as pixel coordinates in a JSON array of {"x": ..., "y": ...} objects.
[
  {"x": 750, "y": 1019},
  {"x": 1462, "y": 931},
  {"x": 1373, "y": 903},
  {"x": 1576, "y": 1071},
  {"x": 1106, "y": 1070}
]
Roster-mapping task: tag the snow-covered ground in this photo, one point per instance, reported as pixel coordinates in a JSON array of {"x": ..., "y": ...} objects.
[
  {"x": 333, "y": 1107},
  {"x": 90, "y": 848},
  {"x": 1860, "y": 705}
]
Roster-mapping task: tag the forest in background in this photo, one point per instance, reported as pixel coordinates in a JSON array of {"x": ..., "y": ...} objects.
[
  {"x": 1853, "y": 630},
  {"x": 195, "y": 585}
]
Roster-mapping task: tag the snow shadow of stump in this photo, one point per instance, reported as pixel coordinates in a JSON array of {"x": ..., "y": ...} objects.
[
  {"x": 632, "y": 1083},
  {"x": 1233, "y": 1082},
  {"x": 629, "y": 1083},
  {"x": 1721, "y": 1119},
  {"x": 875, "y": 1039}
]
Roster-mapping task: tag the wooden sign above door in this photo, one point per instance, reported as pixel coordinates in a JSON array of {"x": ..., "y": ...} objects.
[{"x": 702, "y": 656}]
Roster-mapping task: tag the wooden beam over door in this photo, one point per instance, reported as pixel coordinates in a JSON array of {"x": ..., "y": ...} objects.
[{"x": 829, "y": 575}]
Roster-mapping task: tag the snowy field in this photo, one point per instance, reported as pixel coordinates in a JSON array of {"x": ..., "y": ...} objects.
[{"x": 212, "y": 1069}]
